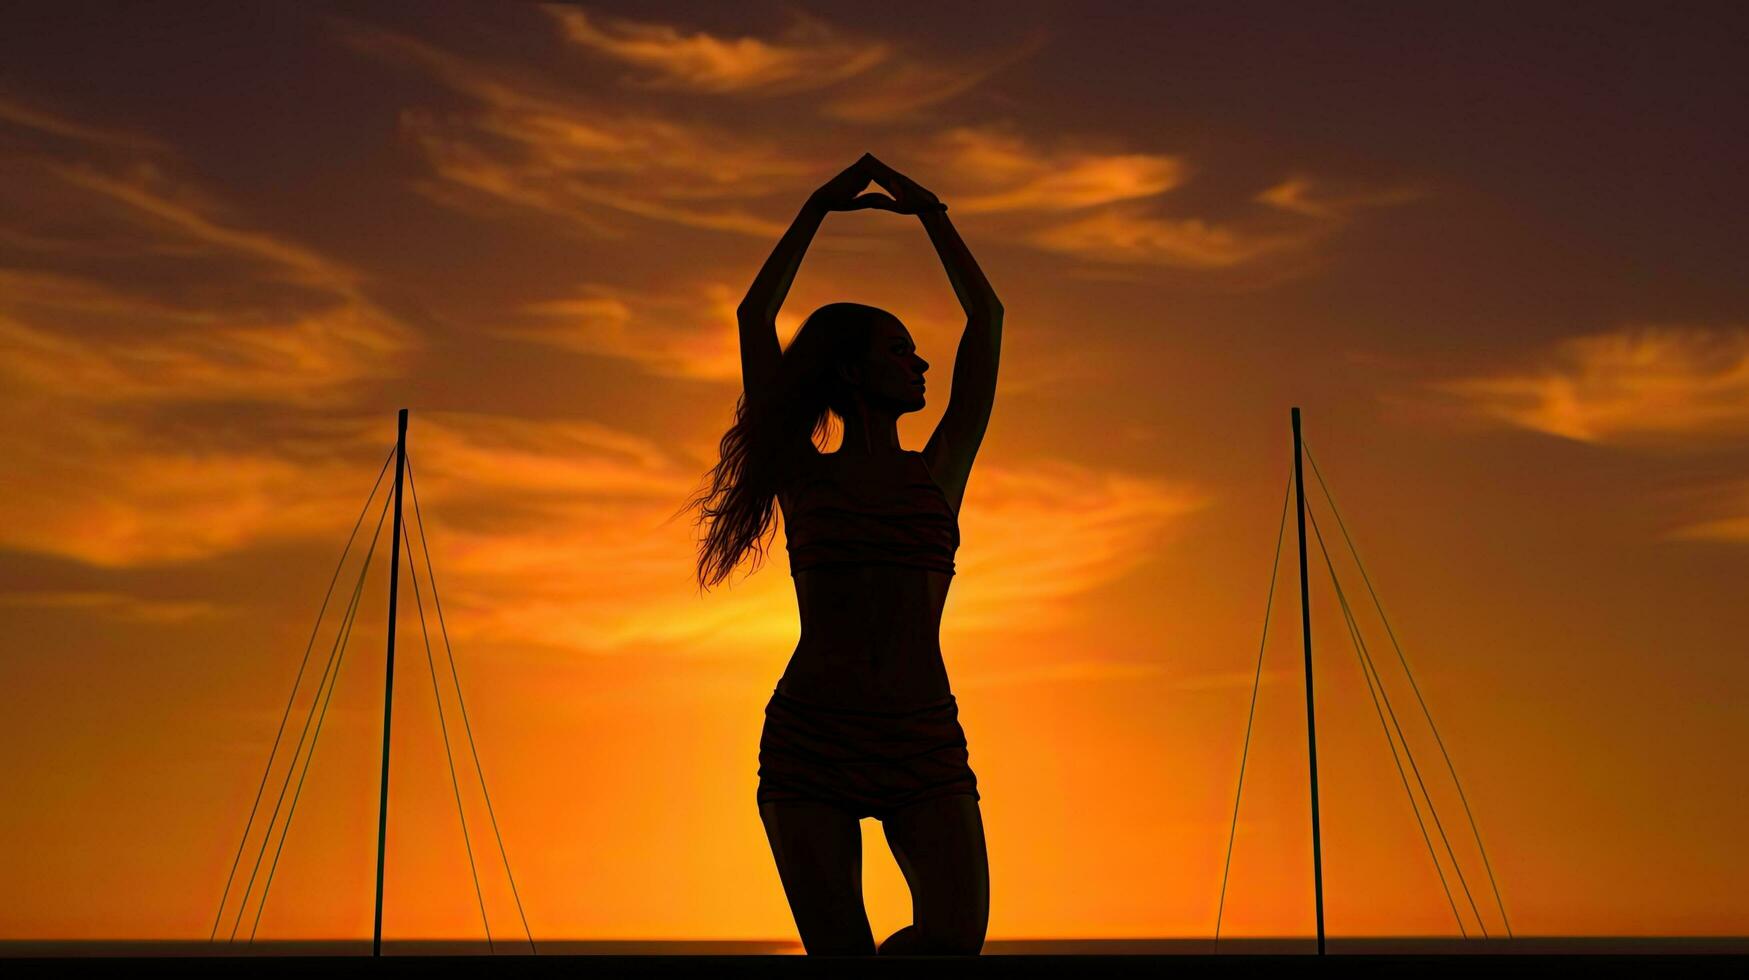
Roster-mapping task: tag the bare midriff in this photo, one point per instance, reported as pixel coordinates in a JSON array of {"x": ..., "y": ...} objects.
[{"x": 871, "y": 637}]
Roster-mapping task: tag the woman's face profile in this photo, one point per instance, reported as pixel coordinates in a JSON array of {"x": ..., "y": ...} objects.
[{"x": 892, "y": 371}]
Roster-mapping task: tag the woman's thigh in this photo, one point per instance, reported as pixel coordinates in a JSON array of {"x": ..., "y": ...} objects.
[
  {"x": 939, "y": 845},
  {"x": 818, "y": 848}
]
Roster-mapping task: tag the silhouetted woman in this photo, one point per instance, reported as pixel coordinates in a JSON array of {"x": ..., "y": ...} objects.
[{"x": 863, "y": 721}]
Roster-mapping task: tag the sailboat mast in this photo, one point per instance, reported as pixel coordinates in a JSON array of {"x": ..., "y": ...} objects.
[
  {"x": 1311, "y": 724},
  {"x": 376, "y": 948}
]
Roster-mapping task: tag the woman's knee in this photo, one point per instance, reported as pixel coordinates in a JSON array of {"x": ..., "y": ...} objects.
[
  {"x": 839, "y": 944},
  {"x": 940, "y": 848},
  {"x": 832, "y": 921},
  {"x": 963, "y": 938}
]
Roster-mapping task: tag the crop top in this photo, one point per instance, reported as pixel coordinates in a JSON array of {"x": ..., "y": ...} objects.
[{"x": 836, "y": 515}]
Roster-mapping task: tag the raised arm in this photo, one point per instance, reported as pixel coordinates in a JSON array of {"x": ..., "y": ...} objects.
[
  {"x": 757, "y": 314},
  {"x": 955, "y": 443}
]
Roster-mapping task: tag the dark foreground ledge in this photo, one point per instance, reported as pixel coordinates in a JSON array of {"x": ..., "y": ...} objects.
[{"x": 1403, "y": 957}]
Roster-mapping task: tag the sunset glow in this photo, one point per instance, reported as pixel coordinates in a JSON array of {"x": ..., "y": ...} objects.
[{"x": 1495, "y": 260}]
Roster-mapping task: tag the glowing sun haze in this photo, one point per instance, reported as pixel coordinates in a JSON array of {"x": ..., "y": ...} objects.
[{"x": 1495, "y": 258}]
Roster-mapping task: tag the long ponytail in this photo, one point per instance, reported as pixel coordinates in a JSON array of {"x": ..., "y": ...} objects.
[{"x": 758, "y": 454}]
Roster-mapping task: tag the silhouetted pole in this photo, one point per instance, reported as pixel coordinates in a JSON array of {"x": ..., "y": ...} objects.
[
  {"x": 1311, "y": 725},
  {"x": 376, "y": 948}
]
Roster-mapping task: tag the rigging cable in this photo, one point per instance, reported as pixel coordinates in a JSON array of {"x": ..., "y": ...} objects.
[
  {"x": 1359, "y": 646},
  {"x": 443, "y": 727},
  {"x": 341, "y": 642},
  {"x": 1269, "y": 604},
  {"x": 309, "y": 717},
  {"x": 308, "y": 647},
  {"x": 1452, "y": 768},
  {"x": 1392, "y": 711},
  {"x": 437, "y": 602}
]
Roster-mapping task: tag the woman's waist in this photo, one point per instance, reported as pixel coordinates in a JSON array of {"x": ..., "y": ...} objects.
[
  {"x": 838, "y": 604},
  {"x": 844, "y": 633},
  {"x": 873, "y": 677},
  {"x": 888, "y": 649},
  {"x": 847, "y": 694},
  {"x": 863, "y": 709}
]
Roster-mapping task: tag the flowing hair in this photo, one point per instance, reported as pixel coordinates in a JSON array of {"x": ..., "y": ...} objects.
[{"x": 757, "y": 453}]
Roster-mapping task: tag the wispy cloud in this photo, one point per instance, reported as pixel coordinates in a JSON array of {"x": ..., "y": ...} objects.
[
  {"x": 1003, "y": 171},
  {"x": 810, "y": 54},
  {"x": 1316, "y": 198},
  {"x": 1108, "y": 204},
  {"x": 546, "y": 458},
  {"x": 1128, "y": 235},
  {"x": 117, "y": 605},
  {"x": 130, "y": 291},
  {"x": 1636, "y": 385},
  {"x": 902, "y": 86},
  {"x": 106, "y": 491},
  {"x": 559, "y": 167},
  {"x": 307, "y": 357},
  {"x": 1670, "y": 388},
  {"x": 151, "y": 197},
  {"x": 678, "y": 334},
  {"x": 161, "y": 291},
  {"x": 1719, "y": 529},
  {"x": 876, "y": 80},
  {"x": 528, "y": 142},
  {"x": 555, "y": 534},
  {"x": 1713, "y": 511},
  {"x": 1035, "y": 537},
  {"x": 22, "y": 114}
]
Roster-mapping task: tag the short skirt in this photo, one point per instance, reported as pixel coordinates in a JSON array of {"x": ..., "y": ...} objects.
[{"x": 867, "y": 763}]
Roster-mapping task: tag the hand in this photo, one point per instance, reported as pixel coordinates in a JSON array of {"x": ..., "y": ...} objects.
[
  {"x": 840, "y": 193},
  {"x": 909, "y": 197}
]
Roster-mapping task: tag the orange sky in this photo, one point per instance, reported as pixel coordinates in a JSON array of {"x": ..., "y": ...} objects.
[{"x": 1493, "y": 259}]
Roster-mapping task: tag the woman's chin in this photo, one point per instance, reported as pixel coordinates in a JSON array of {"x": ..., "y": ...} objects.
[{"x": 912, "y": 402}]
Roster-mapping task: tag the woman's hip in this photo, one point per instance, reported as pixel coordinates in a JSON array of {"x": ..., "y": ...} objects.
[{"x": 869, "y": 762}]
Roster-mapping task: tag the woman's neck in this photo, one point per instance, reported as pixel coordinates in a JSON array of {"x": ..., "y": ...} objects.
[{"x": 881, "y": 440}]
